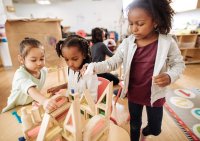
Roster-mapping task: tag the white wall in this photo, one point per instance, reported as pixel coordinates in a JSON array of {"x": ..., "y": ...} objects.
[
  {"x": 79, "y": 14},
  {"x": 183, "y": 19},
  {"x": 2, "y": 13},
  {"x": 4, "y": 50}
]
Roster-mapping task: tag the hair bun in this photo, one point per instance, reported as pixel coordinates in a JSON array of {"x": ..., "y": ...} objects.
[{"x": 26, "y": 38}]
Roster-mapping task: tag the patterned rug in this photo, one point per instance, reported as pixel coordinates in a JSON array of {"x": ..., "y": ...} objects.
[{"x": 184, "y": 106}]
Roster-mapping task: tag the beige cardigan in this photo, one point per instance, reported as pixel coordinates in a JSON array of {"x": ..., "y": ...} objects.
[{"x": 168, "y": 60}]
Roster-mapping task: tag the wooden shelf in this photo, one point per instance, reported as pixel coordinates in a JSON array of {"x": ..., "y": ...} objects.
[
  {"x": 185, "y": 48},
  {"x": 187, "y": 44}
]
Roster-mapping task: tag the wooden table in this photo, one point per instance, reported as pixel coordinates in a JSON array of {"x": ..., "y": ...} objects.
[{"x": 11, "y": 130}]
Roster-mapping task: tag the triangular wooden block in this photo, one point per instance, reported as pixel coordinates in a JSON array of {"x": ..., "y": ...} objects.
[
  {"x": 104, "y": 103},
  {"x": 49, "y": 129},
  {"x": 69, "y": 122},
  {"x": 72, "y": 124},
  {"x": 87, "y": 103}
]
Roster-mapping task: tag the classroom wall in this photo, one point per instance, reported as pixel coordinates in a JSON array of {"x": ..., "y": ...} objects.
[
  {"x": 79, "y": 14},
  {"x": 87, "y": 14},
  {"x": 189, "y": 18}
]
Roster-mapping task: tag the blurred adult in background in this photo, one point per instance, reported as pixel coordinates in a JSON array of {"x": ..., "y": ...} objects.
[
  {"x": 110, "y": 43},
  {"x": 99, "y": 51}
]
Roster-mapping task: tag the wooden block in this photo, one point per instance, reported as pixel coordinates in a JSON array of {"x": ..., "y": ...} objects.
[
  {"x": 61, "y": 100},
  {"x": 27, "y": 122},
  {"x": 105, "y": 101},
  {"x": 61, "y": 109},
  {"x": 95, "y": 128},
  {"x": 54, "y": 134},
  {"x": 44, "y": 127},
  {"x": 72, "y": 124},
  {"x": 36, "y": 116},
  {"x": 87, "y": 104},
  {"x": 33, "y": 132}
]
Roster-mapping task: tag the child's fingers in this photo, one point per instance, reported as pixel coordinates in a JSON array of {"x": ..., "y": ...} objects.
[
  {"x": 53, "y": 104},
  {"x": 161, "y": 80},
  {"x": 83, "y": 69},
  {"x": 50, "y": 90}
]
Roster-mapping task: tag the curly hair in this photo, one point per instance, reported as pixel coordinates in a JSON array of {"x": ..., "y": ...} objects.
[
  {"x": 160, "y": 10},
  {"x": 75, "y": 41},
  {"x": 97, "y": 35}
]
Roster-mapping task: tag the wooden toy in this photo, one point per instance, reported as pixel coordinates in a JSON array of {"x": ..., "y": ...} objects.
[
  {"x": 87, "y": 105},
  {"x": 104, "y": 103},
  {"x": 35, "y": 112},
  {"x": 62, "y": 69},
  {"x": 28, "y": 126},
  {"x": 96, "y": 129},
  {"x": 74, "y": 120},
  {"x": 14, "y": 113},
  {"x": 49, "y": 130},
  {"x": 72, "y": 125}
]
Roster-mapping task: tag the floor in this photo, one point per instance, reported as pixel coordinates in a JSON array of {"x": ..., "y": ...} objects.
[{"x": 170, "y": 131}]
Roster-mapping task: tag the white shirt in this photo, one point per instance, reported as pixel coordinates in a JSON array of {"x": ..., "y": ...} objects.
[
  {"x": 79, "y": 83},
  {"x": 22, "y": 81}
]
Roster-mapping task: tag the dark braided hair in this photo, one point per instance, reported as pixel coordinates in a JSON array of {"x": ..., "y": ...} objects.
[
  {"x": 77, "y": 41},
  {"x": 160, "y": 10}
]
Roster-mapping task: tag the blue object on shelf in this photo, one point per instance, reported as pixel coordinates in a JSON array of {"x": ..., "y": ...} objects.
[
  {"x": 14, "y": 113},
  {"x": 4, "y": 40}
]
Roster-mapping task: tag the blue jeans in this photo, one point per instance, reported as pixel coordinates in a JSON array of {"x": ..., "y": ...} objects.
[{"x": 154, "y": 116}]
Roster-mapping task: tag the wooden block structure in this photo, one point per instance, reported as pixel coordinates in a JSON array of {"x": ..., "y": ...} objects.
[
  {"x": 49, "y": 130},
  {"x": 72, "y": 125},
  {"x": 67, "y": 122},
  {"x": 30, "y": 122},
  {"x": 60, "y": 100},
  {"x": 87, "y": 105},
  {"x": 96, "y": 129},
  {"x": 103, "y": 105},
  {"x": 61, "y": 70},
  {"x": 51, "y": 127}
]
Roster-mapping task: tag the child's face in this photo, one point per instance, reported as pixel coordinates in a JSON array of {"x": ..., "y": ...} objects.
[
  {"x": 73, "y": 57},
  {"x": 141, "y": 23},
  {"x": 34, "y": 61}
]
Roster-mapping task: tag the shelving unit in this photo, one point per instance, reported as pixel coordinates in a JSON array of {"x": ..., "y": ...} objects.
[{"x": 190, "y": 52}]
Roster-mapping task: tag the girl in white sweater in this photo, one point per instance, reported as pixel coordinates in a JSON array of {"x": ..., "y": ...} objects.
[{"x": 75, "y": 50}]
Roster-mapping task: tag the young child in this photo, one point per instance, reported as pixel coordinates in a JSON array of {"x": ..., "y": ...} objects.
[
  {"x": 30, "y": 77},
  {"x": 75, "y": 50},
  {"x": 151, "y": 61}
]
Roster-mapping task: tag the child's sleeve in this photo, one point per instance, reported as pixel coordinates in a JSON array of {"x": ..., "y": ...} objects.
[
  {"x": 25, "y": 82},
  {"x": 113, "y": 62},
  {"x": 92, "y": 85},
  {"x": 175, "y": 62}
]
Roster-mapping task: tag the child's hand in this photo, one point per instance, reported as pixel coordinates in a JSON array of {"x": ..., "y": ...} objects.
[
  {"x": 162, "y": 80},
  {"x": 87, "y": 69},
  {"x": 53, "y": 90},
  {"x": 83, "y": 69},
  {"x": 49, "y": 105}
]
